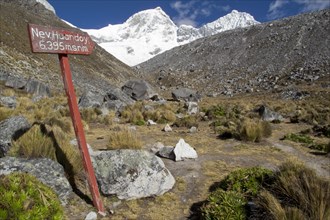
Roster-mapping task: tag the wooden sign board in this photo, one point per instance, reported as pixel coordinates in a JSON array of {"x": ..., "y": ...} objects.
[{"x": 45, "y": 39}]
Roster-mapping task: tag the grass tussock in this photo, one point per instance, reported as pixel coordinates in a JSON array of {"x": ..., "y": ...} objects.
[
  {"x": 297, "y": 193},
  {"x": 124, "y": 139},
  {"x": 254, "y": 131},
  {"x": 140, "y": 112},
  {"x": 34, "y": 144},
  {"x": 25, "y": 197},
  {"x": 44, "y": 141}
]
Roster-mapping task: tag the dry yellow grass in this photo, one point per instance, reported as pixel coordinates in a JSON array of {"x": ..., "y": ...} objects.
[
  {"x": 124, "y": 139},
  {"x": 34, "y": 144}
]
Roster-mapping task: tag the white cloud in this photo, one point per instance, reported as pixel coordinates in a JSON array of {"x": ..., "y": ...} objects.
[
  {"x": 225, "y": 8},
  {"x": 275, "y": 9},
  {"x": 190, "y": 11},
  {"x": 313, "y": 5}
]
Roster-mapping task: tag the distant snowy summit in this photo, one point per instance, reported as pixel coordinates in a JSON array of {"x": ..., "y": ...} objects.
[
  {"x": 151, "y": 32},
  {"x": 47, "y": 5}
]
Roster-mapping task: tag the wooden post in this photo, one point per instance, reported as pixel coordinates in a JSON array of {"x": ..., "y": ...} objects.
[{"x": 78, "y": 128}]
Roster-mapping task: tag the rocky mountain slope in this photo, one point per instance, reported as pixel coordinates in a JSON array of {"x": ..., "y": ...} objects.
[
  {"x": 99, "y": 71},
  {"x": 273, "y": 56},
  {"x": 151, "y": 32}
]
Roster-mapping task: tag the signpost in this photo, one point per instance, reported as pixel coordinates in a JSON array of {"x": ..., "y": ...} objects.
[{"x": 46, "y": 39}]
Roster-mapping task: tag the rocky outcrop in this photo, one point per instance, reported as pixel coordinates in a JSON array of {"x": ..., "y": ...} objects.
[
  {"x": 186, "y": 95},
  {"x": 46, "y": 170},
  {"x": 8, "y": 101},
  {"x": 90, "y": 100},
  {"x": 131, "y": 174},
  {"x": 139, "y": 90},
  {"x": 270, "y": 57},
  {"x": 11, "y": 128},
  {"x": 37, "y": 88}
]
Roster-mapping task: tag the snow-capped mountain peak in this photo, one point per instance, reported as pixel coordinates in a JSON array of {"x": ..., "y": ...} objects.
[
  {"x": 47, "y": 5},
  {"x": 151, "y": 32}
]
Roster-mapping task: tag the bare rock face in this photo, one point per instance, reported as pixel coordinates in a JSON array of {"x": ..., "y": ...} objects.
[
  {"x": 46, "y": 170},
  {"x": 10, "y": 129},
  {"x": 131, "y": 174}
]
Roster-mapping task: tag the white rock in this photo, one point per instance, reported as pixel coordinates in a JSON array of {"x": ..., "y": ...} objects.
[
  {"x": 193, "y": 129},
  {"x": 151, "y": 122},
  {"x": 192, "y": 108},
  {"x": 91, "y": 216},
  {"x": 167, "y": 128},
  {"x": 184, "y": 150}
]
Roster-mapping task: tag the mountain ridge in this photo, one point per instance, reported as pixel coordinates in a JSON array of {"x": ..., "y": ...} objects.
[
  {"x": 273, "y": 56},
  {"x": 151, "y": 32},
  {"x": 16, "y": 58}
]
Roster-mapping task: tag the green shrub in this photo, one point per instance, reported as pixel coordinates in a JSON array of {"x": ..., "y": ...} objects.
[
  {"x": 321, "y": 147},
  {"x": 140, "y": 122},
  {"x": 223, "y": 205},
  {"x": 299, "y": 138},
  {"x": 247, "y": 181},
  {"x": 24, "y": 197},
  {"x": 215, "y": 112}
]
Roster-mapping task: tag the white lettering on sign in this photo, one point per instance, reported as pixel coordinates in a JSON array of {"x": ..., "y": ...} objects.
[
  {"x": 54, "y": 35},
  {"x": 54, "y": 40}
]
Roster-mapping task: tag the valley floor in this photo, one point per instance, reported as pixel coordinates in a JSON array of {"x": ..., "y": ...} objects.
[{"x": 216, "y": 159}]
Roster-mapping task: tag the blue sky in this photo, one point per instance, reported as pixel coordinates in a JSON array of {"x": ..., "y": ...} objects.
[{"x": 99, "y": 13}]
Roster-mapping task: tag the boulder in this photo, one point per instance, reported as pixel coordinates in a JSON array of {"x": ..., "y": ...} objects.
[
  {"x": 183, "y": 150},
  {"x": 91, "y": 216},
  {"x": 115, "y": 105},
  {"x": 3, "y": 75},
  {"x": 192, "y": 108},
  {"x": 268, "y": 115},
  {"x": 15, "y": 82},
  {"x": 91, "y": 99},
  {"x": 11, "y": 128},
  {"x": 37, "y": 88},
  {"x": 118, "y": 95},
  {"x": 131, "y": 174},
  {"x": 167, "y": 128},
  {"x": 156, "y": 147},
  {"x": 193, "y": 129},
  {"x": 8, "y": 101},
  {"x": 166, "y": 152},
  {"x": 46, "y": 170},
  {"x": 139, "y": 90},
  {"x": 186, "y": 95}
]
